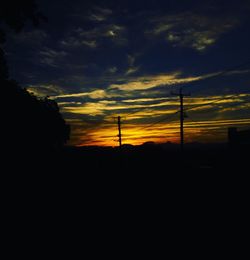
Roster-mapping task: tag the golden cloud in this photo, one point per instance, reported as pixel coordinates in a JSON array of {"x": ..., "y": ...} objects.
[
  {"x": 149, "y": 82},
  {"x": 95, "y": 94},
  {"x": 45, "y": 90},
  {"x": 132, "y": 70}
]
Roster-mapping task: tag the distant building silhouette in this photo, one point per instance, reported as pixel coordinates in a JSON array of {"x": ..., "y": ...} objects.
[{"x": 238, "y": 138}]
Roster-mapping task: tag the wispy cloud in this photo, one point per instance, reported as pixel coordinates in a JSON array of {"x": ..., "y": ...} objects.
[
  {"x": 51, "y": 57},
  {"x": 92, "y": 38},
  {"x": 203, "y": 131},
  {"x": 33, "y": 37},
  {"x": 71, "y": 42},
  {"x": 45, "y": 90},
  {"x": 148, "y": 106},
  {"x": 132, "y": 70},
  {"x": 149, "y": 82},
  {"x": 90, "y": 44},
  {"x": 131, "y": 60},
  {"x": 89, "y": 108},
  {"x": 132, "y": 67},
  {"x": 52, "y": 53},
  {"x": 155, "y": 106},
  {"x": 74, "y": 42},
  {"x": 112, "y": 70},
  {"x": 196, "y": 31},
  {"x": 233, "y": 72},
  {"x": 99, "y": 14},
  {"x": 95, "y": 94},
  {"x": 114, "y": 32}
]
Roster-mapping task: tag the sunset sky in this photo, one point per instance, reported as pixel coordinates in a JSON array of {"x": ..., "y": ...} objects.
[{"x": 103, "y": 59}]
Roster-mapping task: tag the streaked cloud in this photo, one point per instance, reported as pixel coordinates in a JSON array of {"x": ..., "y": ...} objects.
[
  {"x": 93, "y": 38},
  {"x": 99, "y": 14},
  {"x": 51, "y": 57},
  {"x": 206, "y": 121},
  {"x": 45, "y": 90},
  {"x": 112, "y": 70},
  {"x": 131, "y": 60},
  {"x": 74, "y": 42},
  {"x": 89, "y": 108},
  {"x": 233, "y": 72},
  {"x": 132, "y": 70},
  {"x": 149, "y": 82},
  {"x": 140, "y": 126},
  {"x": 151, "y": 106},
  {"x": 109, "y": 30},
  {"x": 95, "y": 94},
  {"x": 52, "y": 53},
  {"x": 197, "y": 31},
  {"x": 33, "y": 37},
  {"x": 90, "y": 44},
  {"x": 140, "y": 100},
  {"x": 202, "y": 131},
  {"x": 156, "y": 107}
]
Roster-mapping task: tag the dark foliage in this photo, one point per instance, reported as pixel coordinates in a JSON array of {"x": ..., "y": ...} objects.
[
  {"x": 32, "y": 124},
  {"x": 3, "y": 67}
]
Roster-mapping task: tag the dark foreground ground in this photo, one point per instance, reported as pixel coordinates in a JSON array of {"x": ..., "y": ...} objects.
[
  {"x": 149, "y": 158},
  {"x": 96, "y": 186},
  {"x": 89, "y": 178},
  {"x": 99, "y": 170},
  {"x": 157, "y": 159}
]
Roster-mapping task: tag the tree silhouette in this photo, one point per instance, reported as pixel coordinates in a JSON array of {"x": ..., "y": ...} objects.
[
  {"x": 31, "y": 124},
  {"x": 3, "y": 67}
]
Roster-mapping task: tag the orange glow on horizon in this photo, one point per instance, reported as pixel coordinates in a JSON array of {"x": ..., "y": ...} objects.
[
  {"x": 202, "y": 131},
  {"x": 210, "y": 125}
]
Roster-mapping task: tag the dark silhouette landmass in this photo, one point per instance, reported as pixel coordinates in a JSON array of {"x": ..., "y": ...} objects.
[{"x": 159, "y": 158}]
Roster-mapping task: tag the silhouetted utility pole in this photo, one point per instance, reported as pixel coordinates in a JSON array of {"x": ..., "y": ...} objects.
[
  {"x": 181, "y": 95},
  {"x": 119, "y": 131}
]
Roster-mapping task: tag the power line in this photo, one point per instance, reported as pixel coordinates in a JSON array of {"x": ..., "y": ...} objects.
[
  {"x": 161, "y": 120},
  {"x": 216, "y": 101},
  {"x": 141, "y": 109},
  {"x": 189, "y": 108},
  {"x": 189, "y": 84},
  {"x": 212, "y": 102}
]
